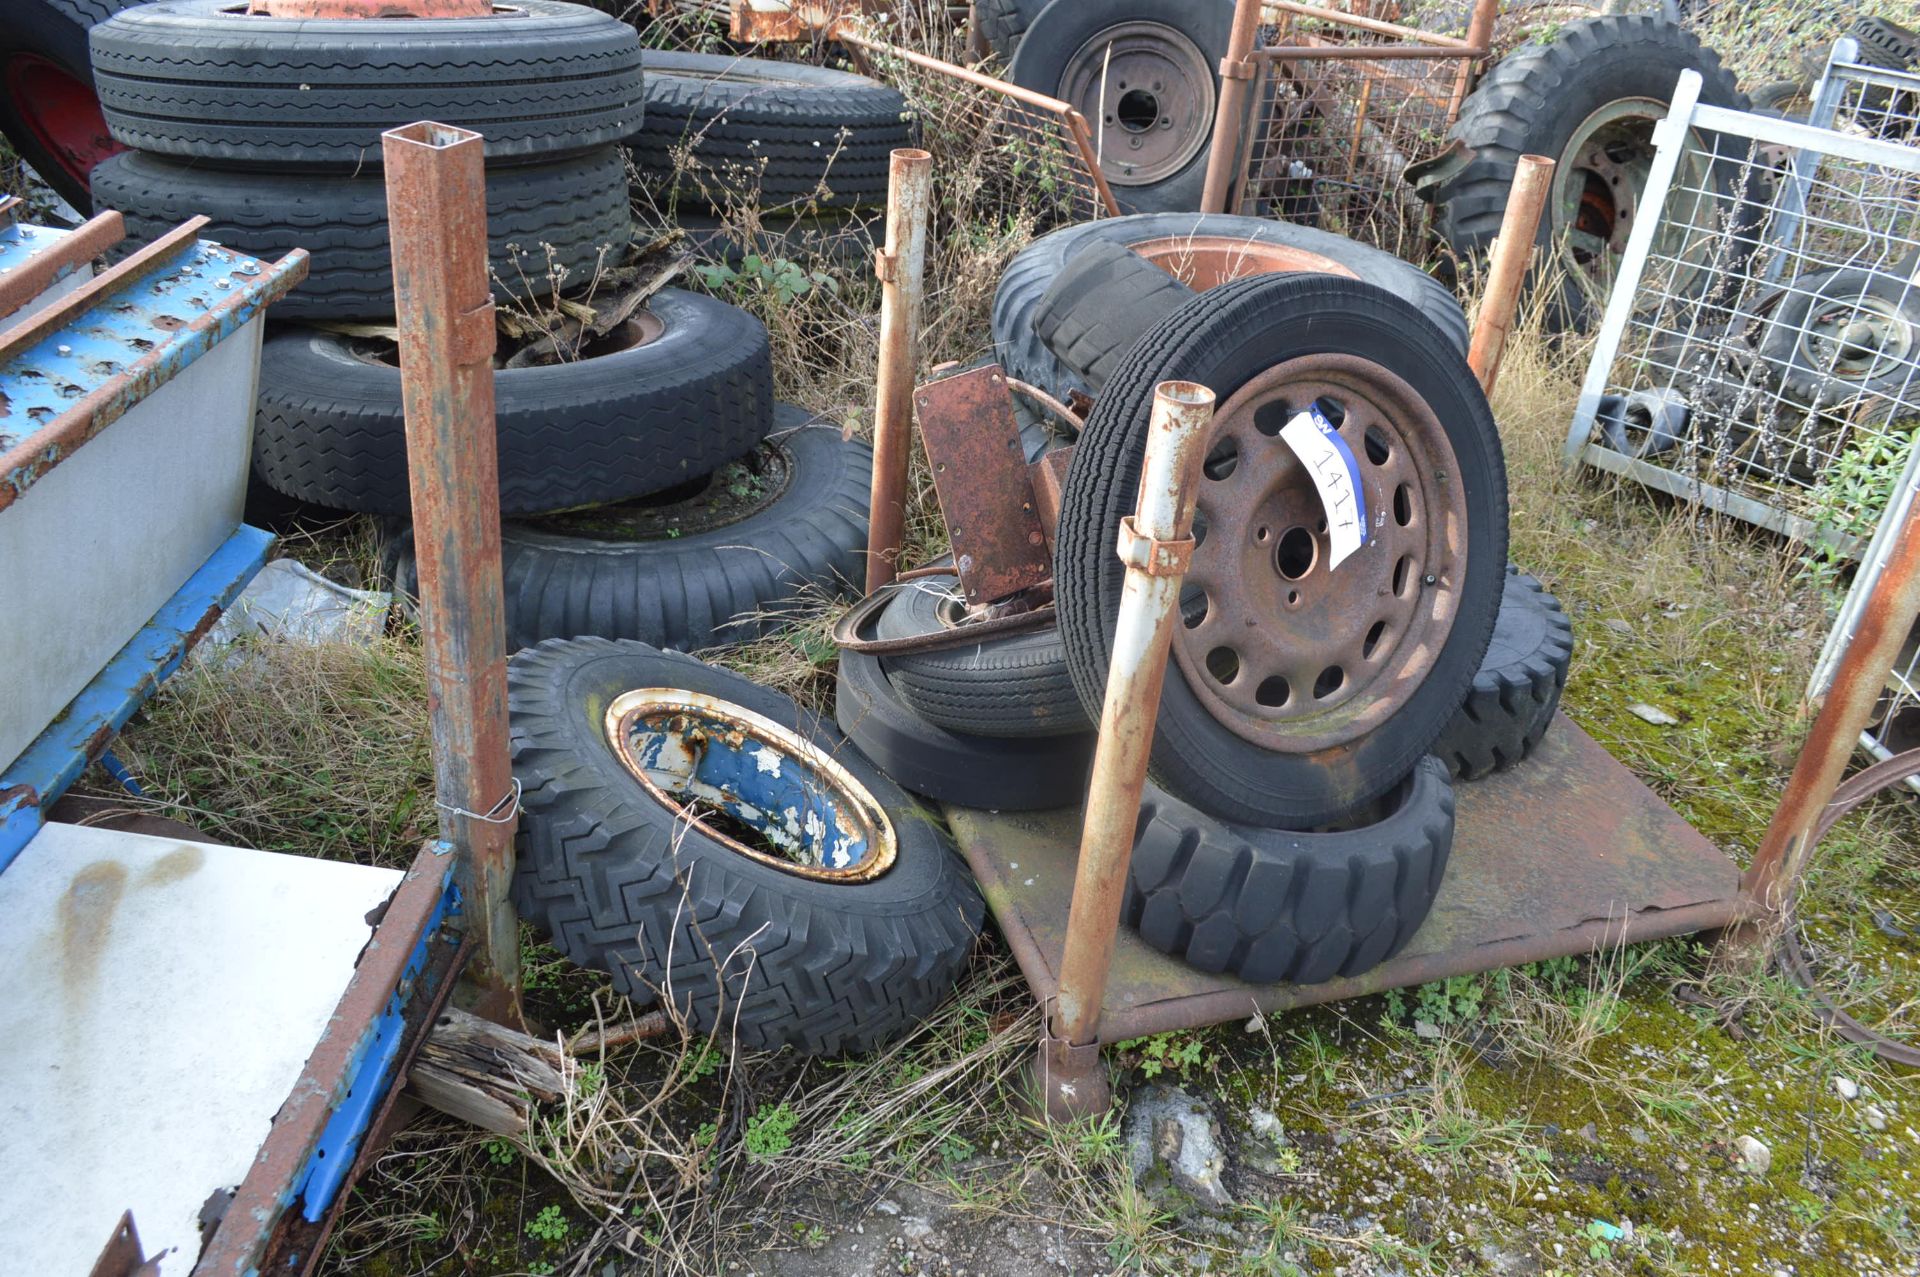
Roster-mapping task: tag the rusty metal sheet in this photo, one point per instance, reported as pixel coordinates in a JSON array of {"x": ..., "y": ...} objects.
[
  {"x": 122, "y": 1255},
  {"x": 980, "y": 474},
  {"x": 1568, "y": 852}
]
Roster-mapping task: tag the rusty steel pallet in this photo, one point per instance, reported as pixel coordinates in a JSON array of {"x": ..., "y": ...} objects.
[{"x": 1565, "y": 854}]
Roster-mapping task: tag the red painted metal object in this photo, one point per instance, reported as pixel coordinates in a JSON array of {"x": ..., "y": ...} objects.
[{"x": 436, "y": 206}]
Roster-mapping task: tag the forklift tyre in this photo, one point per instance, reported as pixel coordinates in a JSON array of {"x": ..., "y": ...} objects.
[
  {"x": 1518, "y": 687},
  {"x": 776, "y": 891}
]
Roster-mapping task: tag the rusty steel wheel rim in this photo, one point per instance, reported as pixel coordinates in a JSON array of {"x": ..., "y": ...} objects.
[
  {"x": 1208, "y": 261},
  {"x": 1286, "y": 653},
  {"x": 1156, "y": 111},
  {"x": 758, "y": 788}
]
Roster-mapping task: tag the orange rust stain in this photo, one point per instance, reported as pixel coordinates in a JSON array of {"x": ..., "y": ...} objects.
[
  {"x": 182, "y": 862},
  {"x": 86, "y": 911}
]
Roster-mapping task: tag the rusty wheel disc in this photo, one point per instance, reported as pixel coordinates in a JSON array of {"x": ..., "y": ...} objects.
[
  {"x": 1147, "y": 89},
  {"x": 1289, "y": 653}
]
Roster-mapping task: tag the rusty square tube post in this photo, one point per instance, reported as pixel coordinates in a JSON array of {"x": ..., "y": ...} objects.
[
  {"x": 437, "y": 212},
  {"x": 1155, "y": 544},
  {"x": 1230, "y": 116},
  {"x": 1507, "y": 268},
  {"x": 901, "y": 269}
]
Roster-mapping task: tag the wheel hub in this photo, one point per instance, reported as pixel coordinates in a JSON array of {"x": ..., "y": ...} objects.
[
  {"x": 62, "y": 112},
  {"x": 1859, "y": 340},
  {"x": 1288, "y": 651},
  {"x": 1208, "y": 261},
  {"x": 1597, "y": 189},
  {"x": 756, "y": 787},
  {"x": 1148, "y": 89}
]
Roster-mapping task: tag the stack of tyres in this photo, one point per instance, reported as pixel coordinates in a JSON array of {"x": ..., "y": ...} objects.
[
  {"x": 777, "y": 158},
  {"x": 653, "y": 488}
]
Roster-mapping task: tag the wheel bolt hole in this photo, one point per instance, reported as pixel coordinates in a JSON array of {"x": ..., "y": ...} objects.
[
  {"x": 1273, "y": 692},
  {"x": 1403, "y": 505},
  {"x": 1296, "y": 553},
  {"x": 1293, "y": 598},
  {"x": 1330, "y": 681},
  {"x": 1262, "y": 534},
  {"x": 1224, "y": 664}
]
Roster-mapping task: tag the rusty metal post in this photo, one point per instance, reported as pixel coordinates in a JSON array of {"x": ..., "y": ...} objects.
[
  {"x": 437, "y": 212},
  {"x": 901, "y": 268},
  {"x": 1507, "y": 269},
  {"x": 1155, "y": 544},
  {"x": 1230, "y": 116},
  {"x": 1858, "y": 680},
  {"x": 1480, "y": 37}
]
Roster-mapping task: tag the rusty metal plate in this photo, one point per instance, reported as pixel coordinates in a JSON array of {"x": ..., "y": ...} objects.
[
  {"x": 1561, "y": 855},
  {"x": 1048, "y": 476},
  {"x": 980, "y": 474}
]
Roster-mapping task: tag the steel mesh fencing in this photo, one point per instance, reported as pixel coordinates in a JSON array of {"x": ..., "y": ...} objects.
[{"x": 1758, "y": 349}]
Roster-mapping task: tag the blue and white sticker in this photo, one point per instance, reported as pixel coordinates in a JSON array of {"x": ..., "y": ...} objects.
[{"x": 1336, "y": 476}]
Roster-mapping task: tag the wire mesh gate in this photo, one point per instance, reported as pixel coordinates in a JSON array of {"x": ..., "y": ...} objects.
[{"x": 1341, "y": 104}]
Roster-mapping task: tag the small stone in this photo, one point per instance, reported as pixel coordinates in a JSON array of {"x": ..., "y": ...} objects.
[
  {"x": 1638, "y": 1134},
  {"x": 1168, "y": 1128},
  {"x": 1266, "y": 1125},
  {"x": 1423, "y": 1029},
  {"x": 1751, "y": 1156},
  {"x": 1651, "y": 714},
  {"x": 1590, "y": 1133},
  {"x": 1617, "y": 625},
  {"x": 887, "y": 1206},
  {"x": 1876, "y": 1119},
  {"x": 1846, "y": 1088}
]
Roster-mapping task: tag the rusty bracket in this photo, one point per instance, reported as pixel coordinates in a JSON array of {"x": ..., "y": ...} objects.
[
  {"x": 1155, "y": 558},
  {"x": 1049, "y": 477},
  {"x": 1237, "y": 68},
  {"x": 886, "y": 266},
  {"x": 123, "y": 1256},
  {"x": 980, "y": 475}
]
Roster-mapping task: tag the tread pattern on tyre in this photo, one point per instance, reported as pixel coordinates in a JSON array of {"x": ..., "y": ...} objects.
[
  {"x": 1104, "y": 301},
  {"x": 1102, "y": 484},
  {"x": 1518, "y": 688},
  {"x": 330, "y": 427},
  {"x": 1269, "y": 906},
  {"x": 1012, "y": 686},
  {"x": 1001, "y": 23},
  {"x": 776, "y": 134},
  {"x": 705, "y": 589},
  {"x": 188, "y": 78},
  {"x": 607, "y": 873},
  {"x": 546, "y": 223},
  {"x": 1496, "y": 121},
  {"x": 1033, "y": 270}
]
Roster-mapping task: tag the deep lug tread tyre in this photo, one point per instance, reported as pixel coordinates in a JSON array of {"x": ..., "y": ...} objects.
[
  {"x": 191, "y": 78},
  {"x": 704, "y": 589},
  {"x": 775, "y": 134},
  {"x": 1002, "y": 23},
  {"x": 571, "y": 214},
  {"x": 1518, "y": 688},
  {"x": 330, "y": 427},
  {"x": 1012, "y": 686},
  {"x": 1535, "y": 98},
  {"x": 1034, "y": 269},
  {"x": 748, "y": 952},
  {"x": 1034, "y": 773},
  {"x": 1100, "y": 305},
  {"x": 1269, "y": 906},
  {"x": 1222, "y": 339}
]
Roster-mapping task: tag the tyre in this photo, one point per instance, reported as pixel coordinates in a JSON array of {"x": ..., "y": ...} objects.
[
  {"x": 1886, "y": 44},
  {"x": 681, "y": 389},
  {"x": 1012, "y": 686},
  {"x": 1838, "y": 338},
  {"x": 546, "y": 223},
  {"x": 829, "y": 927},
  {"x": 1100, "y": 305},
  {"x": 1518, "y": 687},
  {"x": 1153, "y": 117},
  {"x": 48, "y": 110},
  {"x": 1295, "y": 695},
  {"x": 1002, "y": 23},
  {"x": 1034, "y": 773},
  {"x": 725, "y": 132},
  {"x": 721, "y": 560},
  {"x": 1269, "y": 906},
  {"x": 203, "y": 79},
  {"x": 1588, "y": 96},
  {"x": 1199, "y": 249}
]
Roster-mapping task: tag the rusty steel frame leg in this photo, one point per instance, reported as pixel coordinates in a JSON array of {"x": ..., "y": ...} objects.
[
  {"x": 1480, "y": 36},
  {"x": 1155, "y": 545},
  {"x": 437, "y": 209},
  {"x": 1231, "y": 115},
  {"x": 901, "y": 269},
  {"x": 1507, "y": 269},
  {"x": 1884, "y": 624}
]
